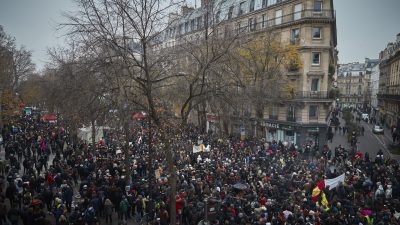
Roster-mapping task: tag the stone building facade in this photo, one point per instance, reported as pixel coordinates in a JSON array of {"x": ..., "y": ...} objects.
[
  {"x": 389, "y": 84},
  {"x": 310, "y": 24},
  {"x": 354, "y": 83}
]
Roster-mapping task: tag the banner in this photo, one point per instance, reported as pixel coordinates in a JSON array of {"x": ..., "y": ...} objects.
[
  {"x": 201, "y": 148},
  {"x": 334, "y": 182}
]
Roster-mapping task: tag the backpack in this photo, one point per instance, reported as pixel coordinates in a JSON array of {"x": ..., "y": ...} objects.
[
  {"x": 89, "y": 214},
  {"x": 124, "y": 205},
  {"x": 58, "y": 211}
]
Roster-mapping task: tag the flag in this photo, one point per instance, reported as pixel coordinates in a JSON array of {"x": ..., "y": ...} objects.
[
  {"x": 316, "y": 193},
  {"x": 358, "y": 156},
  {"x": 201, "y": 148},
  {"x": 334, "y": 182},
  {"x": 324, "y": 201}
]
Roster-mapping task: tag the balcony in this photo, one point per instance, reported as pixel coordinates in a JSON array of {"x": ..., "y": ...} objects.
[
  {"x": 393, "y": 97},
  {"x": 311, "y": 95},
  {"x": 273, "y": 117},
  {"x": 295, "y": 41},
  {"x": 291, "y": 119},
  {"x": 293, "y": 17}
]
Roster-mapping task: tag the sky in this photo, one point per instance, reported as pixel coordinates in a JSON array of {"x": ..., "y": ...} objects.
[{"x": 364, "y": 27}]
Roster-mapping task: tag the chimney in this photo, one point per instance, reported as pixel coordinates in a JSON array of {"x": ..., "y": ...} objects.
[
  {"x": 172, "y": 17},
  {"x": 186, "y": 10},
  {"x": 205, "y": 3}
]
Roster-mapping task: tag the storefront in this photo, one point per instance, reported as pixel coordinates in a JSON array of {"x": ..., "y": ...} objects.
[
  {"x": 295, "y": 133},
  {"x": 280, "y": 132}
]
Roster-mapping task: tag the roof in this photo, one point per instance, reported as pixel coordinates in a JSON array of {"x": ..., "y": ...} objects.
[{"x": 355, "y": 68}]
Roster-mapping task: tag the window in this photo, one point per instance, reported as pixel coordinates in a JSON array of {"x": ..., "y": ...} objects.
[
  {"x": 264, "y": 3},
  {"x": 241, "y": 8},
  {"x": 199, "y": 22},
  {"x": 315, "y": 84},
  {"x": 318, "y": 6},
  {"x": 252, "y": 24},
  {"x": 360, "y": 80},
  {"x": 271, "y": 2},
  {"x": 316, "y": 32},
  {"x": 192, "y": 27},
  {"x": 278, "y": 17},
  {"x": 230, "y": 12},
  {"x": 291, "y": 113},
  {"x": 180, "y": 29},
  {"x": 295, "y": 36},
  {"x": 251, "y": 8},
  {"x": 297, "y": 11},
  {"x": 206, "y": 21},
  {"x": 316, "y": 58},
  {"x": 273, "y": 112},
  {"x": 264, "y": 21},
  {"x": 217, "y": 16},
  {"x": 313, "y": 111},
  {"x": 186, "y": 27}
]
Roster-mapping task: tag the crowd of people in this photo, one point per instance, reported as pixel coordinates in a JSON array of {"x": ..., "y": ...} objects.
[{"x": 48, "y": 177}]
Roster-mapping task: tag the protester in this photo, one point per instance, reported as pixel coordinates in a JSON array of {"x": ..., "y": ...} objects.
[{"x": 237, "y": 181}]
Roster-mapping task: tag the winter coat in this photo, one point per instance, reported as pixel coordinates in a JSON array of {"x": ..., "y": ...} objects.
[{"x": 108, "y": 206}]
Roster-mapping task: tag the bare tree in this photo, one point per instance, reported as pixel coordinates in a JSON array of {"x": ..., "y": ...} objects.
[
  {"x": 123, "y": 32},
  {"x": 15, "y": 65},
  {"x": 263, "y": 63}
]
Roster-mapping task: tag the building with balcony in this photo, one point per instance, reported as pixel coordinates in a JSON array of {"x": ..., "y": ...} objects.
[
  {"x": 310, "y": 24},
  {"x": 389, "y": 84},
  {"x": 374, "y": 88},
  {"x": 354, "y": 83}
]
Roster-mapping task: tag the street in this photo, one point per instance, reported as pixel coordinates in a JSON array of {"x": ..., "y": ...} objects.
[{"x": 369, "y": 142}]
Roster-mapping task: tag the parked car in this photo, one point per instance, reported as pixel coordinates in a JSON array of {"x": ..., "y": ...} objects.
[{"x": 377, "y": 130}]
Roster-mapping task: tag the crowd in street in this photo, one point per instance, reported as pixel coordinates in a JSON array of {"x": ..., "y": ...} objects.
[{"x": 50, "y": 178}]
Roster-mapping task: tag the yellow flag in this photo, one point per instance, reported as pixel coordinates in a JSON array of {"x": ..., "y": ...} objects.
[{"x": 324, "y": 201}]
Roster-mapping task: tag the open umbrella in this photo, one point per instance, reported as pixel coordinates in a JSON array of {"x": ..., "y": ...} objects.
[
  {"x": 240, "y": 186},
  {"x": 36, "y": 202},
  {"x": 138, "y": 116}
]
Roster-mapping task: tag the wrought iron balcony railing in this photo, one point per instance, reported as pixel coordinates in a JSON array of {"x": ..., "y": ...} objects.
[
  {"x": 311, "y": 95},
  {"x": 395, "y": 97},
  {"x": 289, "y": 18}
]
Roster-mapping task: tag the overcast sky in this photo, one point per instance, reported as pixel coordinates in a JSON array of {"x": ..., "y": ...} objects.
[{"x": 364, "y": 26}]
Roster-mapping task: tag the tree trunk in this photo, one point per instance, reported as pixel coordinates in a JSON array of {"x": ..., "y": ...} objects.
[
  {"x": 150, "y": 167},
  {"x": 172, "y": 181},
  {"x": 1, "y": 111},
  {"x": 93, "y": 134},
  {"x": 126, "y": 151}
]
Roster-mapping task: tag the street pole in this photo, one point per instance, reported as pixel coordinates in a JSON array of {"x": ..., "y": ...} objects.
[
  {"x": 1, "y": 111},
  {"x": 205, "y": 212}
]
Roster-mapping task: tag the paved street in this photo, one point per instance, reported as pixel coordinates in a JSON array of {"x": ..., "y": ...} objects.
[{"x": 370, "y": 142}]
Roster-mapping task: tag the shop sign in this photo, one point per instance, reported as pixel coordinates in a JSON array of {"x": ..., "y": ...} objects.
[
  {"x": 313, "y": 130},
  {"x": 286, "y": 127},
  {"x": 271, "y": 125}
]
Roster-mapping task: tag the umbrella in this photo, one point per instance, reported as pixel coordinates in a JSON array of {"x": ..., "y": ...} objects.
[
  {"x": 240, "y": 186},
  {"x": 36, "y": 202},
  {"x": 138, "y": 116}
]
